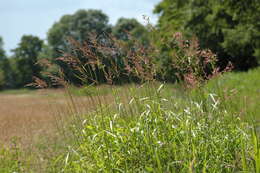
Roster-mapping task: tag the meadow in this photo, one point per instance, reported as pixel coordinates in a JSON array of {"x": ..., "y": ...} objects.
[{"x": 152, "y": 127}]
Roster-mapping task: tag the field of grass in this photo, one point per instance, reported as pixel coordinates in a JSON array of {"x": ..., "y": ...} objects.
[
  {"x": 135, "y": 128},
  {"x": 32, "y": 121},
  {"x": 240, "y": 93}
]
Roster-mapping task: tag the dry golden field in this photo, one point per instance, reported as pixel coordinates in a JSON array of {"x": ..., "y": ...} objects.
[
  {"x": 27, "y": 116},
  {"x": 39, "y": 114},
  {"x": 37, "y": 121}
]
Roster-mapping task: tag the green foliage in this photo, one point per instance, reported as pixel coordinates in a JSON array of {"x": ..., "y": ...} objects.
[
  {"x": 2, "y": 52},
  {"x": 90, "y": 90},
  {"x": 2, "y": 58},
  {"x": 126, "y": 28},
  {"x": 229, "y": 28},
  {"x": 5, "y": 72},
  {"x": 179, "y": 59},
  {"x": 26, "y": 58},
  {"x": 156, "y": 128},
  {"x": 117, "y": 61},
  {"x": 152, "y": 132},
  {"x": 48, "y": 68},
  {"x": 80, "y": 26},
  {"x": 173, "y": 14},
  {"x": 239, "y": 93},
  {"x": 2, "y": 78},
  {"x": 10, "y": 159},
  {"x": 17, "y": 91}
]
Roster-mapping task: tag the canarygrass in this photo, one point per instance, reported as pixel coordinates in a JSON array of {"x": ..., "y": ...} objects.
[
  {"x": 156, "y": 131},
  {"x": 239, "y": 93},
  {"x": 160, "y": 128}
]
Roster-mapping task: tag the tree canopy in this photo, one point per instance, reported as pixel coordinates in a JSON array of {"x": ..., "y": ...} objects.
[
  {"x": 230, "y": 28},
  {"x": 125, "y": 27},
  {"x": 2, "y": 57},
  {"x": 26, "y": 56},
  {"x": 5, "y": 68},
  {"x": 80, "y": 26},
  {"x": 2, "y": 52}
]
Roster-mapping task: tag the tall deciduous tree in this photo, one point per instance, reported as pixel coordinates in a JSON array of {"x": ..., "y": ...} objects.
[
  {"x": 230, "y": 28},
  {"x": 2, "y": 52},
  {"x": 129, "y": 27},
  {"x": 2, "y": 57},
  {"x": 5, "y": 69},
  {"x": 26, "y": 57},
  {"x": 80, "y": 26}
]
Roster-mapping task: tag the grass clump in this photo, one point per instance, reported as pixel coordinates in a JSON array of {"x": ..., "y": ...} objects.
[
  {"x": 12, "y": 159},
  {"x": 239, "y": 93},
  {"x": 151, "y": 133}
]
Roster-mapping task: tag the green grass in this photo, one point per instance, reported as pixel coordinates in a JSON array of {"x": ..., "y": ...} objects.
[
  {"x": 239, "y": 93},
  {"x": 13, "y": 159},
  {"x": 165, "y": 128},
  {"x": 17, "y": 91},
  {"x": 91, "y": 90},
  {"x": 152, "y": 133}
]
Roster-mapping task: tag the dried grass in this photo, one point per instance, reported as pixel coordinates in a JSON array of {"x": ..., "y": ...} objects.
[{"x": 38, "y": 114}]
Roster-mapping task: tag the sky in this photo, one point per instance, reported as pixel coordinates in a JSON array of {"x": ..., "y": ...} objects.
[{"x": 35, "y": 17}]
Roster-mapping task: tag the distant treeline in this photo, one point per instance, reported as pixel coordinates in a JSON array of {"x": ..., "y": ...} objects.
[{"x": 85, "y": 39}]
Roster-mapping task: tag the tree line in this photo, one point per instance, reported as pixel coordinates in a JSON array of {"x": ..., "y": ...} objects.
[
  {"x": 22, "y": 66},
  {"x": 230, "y": 29}
]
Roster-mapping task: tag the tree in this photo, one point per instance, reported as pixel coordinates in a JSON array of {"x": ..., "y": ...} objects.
[
  {"x": 5, "y": 70},
  {"x": 2, "y": 52},
  {"x": 48, "y": 69},
  {"x": 230, "y": 28},
  {"x": 2, "y": 57},
  {"x": 26, "y": 58},
  {"x": 130, "y": 27},
  {"x": 80, "y": 26}
]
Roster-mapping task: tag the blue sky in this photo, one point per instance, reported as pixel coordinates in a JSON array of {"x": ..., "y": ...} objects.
[{"x": 19, "y": 17}]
